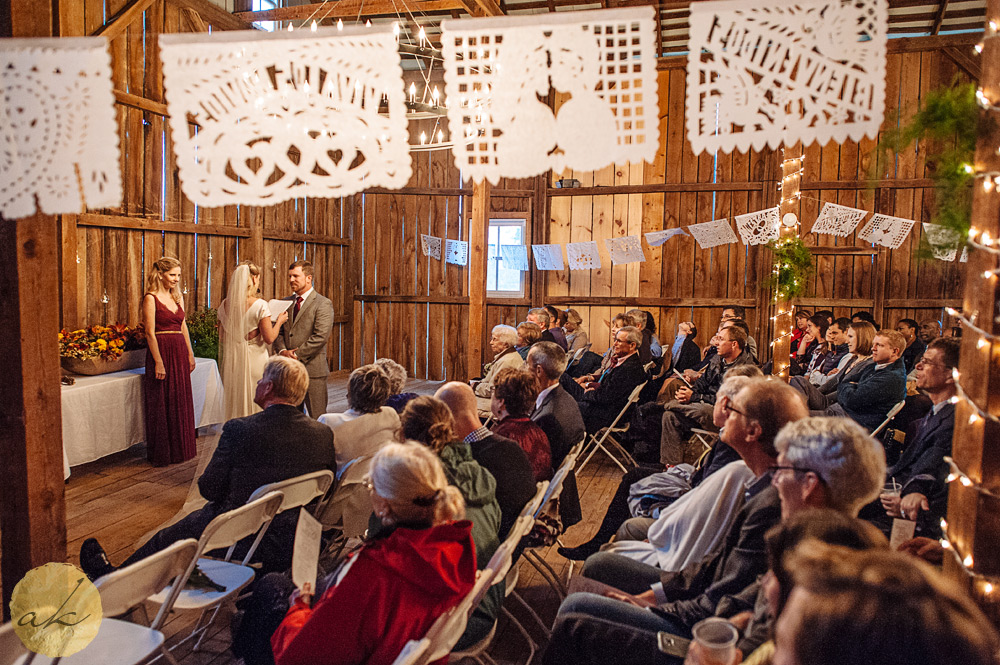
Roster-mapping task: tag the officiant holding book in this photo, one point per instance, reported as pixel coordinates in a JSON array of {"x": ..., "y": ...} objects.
[
  {"x": 246, "y": 329},
  {"x": 305, "y": 338}
]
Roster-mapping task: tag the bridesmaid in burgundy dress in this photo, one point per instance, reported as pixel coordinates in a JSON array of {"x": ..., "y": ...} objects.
[{"x": 170, "y": 432}]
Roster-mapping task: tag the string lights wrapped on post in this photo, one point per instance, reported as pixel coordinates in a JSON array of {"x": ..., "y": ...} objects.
[{"x": 788, "y": 229}]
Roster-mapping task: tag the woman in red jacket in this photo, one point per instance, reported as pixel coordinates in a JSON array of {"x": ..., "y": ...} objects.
[{"x": 394, "y": 588}]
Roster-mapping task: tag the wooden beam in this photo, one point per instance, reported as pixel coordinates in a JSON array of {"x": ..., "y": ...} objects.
[
  {"x": 478, "y": 229},
  {"x": 217, "y": 17},
  {"x": 347, "y": 9},
  {"x": 429, "y": 299},
  {"x": 657, "y": 188},
  {"x": 123, "y": 19},
  {"x": 69, "y": 272},
  {"x": 784, "y": 316},
  {"x": 966, "y": 60},
  {"x": 482, "y": 7},
  {"x": 973, "y": 517},
  {"x": 939, "y": 16},
  {"x": 144, "y": 224},
  {"x": 141, "y": 103},
  {"x": 630, "y": 302},
  {"x": 32, "y": 496},
  {"x": 191, "y": 21}
]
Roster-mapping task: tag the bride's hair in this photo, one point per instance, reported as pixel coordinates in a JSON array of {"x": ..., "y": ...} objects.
[{"x": 253, "y": 286}]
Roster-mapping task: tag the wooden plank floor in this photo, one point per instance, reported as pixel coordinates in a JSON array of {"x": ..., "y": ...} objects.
[{"x": 120, "y": 498}]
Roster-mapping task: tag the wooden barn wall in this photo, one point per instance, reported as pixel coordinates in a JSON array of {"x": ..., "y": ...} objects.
[
  {"x": 106, "y": 255},
  {"x": 414, "y": 309}
]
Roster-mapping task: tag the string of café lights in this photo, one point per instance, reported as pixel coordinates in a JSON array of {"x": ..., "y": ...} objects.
[{"x": 789, "y": 221}]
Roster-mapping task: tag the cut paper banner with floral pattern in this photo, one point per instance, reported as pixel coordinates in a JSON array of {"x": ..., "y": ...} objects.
[
  {"x": 767, "y": 73},
  {"x": 548, "y": 257},
  {"x": 431, "y": 246},
  {"x": 712, "y": 234},
  {"x": 514, "y": 257},
  {"x": 944, "y": 242},
  {"x": 285, "y": 115},
  {"x": 837, "y": 220},
  {"x": 583, "y": 255},
  {"x": 759, "y": 228},
  {"x": 456, "y": 252},
  {"x": 497, "y": 71},
  {"x": 627, "y": 249},
  {"x": 657, "y": 238},
  {"x": 58, "y": 128},
  {"x": 886, "y": 230}
]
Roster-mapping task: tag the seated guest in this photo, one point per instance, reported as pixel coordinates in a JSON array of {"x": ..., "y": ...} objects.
[
  {"x": 914, "y": 345},
  {"x": 422, "y": 564},
  {"x": 558, "y": 415},
  {"x": 527, "y": 334},
  {"x": 739, "y": 313},
  {"x": 837, "y": 350},
  {"x": 497, "y": 454},
  {"x": 360, "y": 431},
  {"x": 513, "y": 400},
  {"x": 816, "y": 349},
  {"x": 930, "y": 330},
  {"x": 864, "y": 316},
  {"x": 921, "y": 468},
  {"x": 550, "y": 330},
  {"x": 867, "y": 394},
  {"x": 502, "y": 343},
  {"x": 692, "y": 407},
  {"x": 645, "y": 350},
  {"x": 604, "y": 399},
  {"x": 877, "y": 608},
  {"x": 807, "y": 343},
  {"x": 822, "y": 463},
  {"x": 556, "y": 326},
  {"x": 684, "y": 353},
  {"x": 860, "y": 336},
  {"x": 275, "y": 444},
  {"x": 617, "y": 323},
  {"x": 801, "y": 319},
  {"x": 827, "y": 314},
  {"x": 428, "y": 420},
  {"x": 654, "y": 342},
  {"x": 718, "y": 456},
  {"x": 576, "y": 336},
  {"x": 397, "y": 379}
]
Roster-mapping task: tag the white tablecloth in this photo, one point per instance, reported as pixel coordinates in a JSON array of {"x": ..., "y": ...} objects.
[{"x": 103, "y": 414}]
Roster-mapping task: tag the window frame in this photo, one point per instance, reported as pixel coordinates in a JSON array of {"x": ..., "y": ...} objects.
[{"x": 502, "y": 220}]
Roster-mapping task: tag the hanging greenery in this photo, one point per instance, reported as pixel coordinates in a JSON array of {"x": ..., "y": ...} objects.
[
  {"x": 948, "y": 121},
  {"x": 203, "y": 327},
  {"x": 793, "y": 262}
]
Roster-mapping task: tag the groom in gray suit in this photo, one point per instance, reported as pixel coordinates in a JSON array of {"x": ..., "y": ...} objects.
[{"x": 305, "y": 336}]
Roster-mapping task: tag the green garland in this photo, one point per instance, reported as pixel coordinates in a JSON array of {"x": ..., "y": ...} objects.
[
  {"x": 793, "y": 263},
  {"x": 203, "y": 327},
  {"x": 950, "y": 118}
]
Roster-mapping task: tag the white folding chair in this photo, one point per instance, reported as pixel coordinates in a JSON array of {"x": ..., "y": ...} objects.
[
  {"x": 298, "y": 491},
  {"x": 893, "y": 412},
  {"x": 412, "y": 652},
  {"x": 577, "y": 355},
  {"x": 604, "y": 436},
  {"x": 121, "y": 642},
  {"x": 226, "y": 530}
]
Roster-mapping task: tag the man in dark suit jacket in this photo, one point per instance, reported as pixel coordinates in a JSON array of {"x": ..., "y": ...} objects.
[
  {"x": 305, "y": 336},
  {"x": 276, "y": 444},
  {"x": 557, "y": 413},
  {"x": 499, "y": 455},
  {"x": 921, "y": 469},
  {"x": 604, "y": 399}
]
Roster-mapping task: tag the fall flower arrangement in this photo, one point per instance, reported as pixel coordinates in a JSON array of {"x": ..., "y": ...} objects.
[{"x": 104, "y": 342}]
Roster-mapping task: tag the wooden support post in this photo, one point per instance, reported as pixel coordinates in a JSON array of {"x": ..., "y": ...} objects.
[
  {"x": 32, "y": 501},
  {"x": 784, "y": 322},
  {"x": 478, "y": 228},
  {"x": 973, "y": 517}
]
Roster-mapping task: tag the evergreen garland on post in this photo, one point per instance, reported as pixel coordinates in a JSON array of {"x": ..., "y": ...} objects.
[{"x": 793, "y": 262}]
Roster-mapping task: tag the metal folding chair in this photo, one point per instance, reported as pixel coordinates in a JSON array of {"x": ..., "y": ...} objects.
[{"x": 605, "y": 436}]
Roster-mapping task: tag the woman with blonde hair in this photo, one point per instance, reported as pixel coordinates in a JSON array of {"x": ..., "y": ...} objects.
[
  {"x": 169, "y": 414},
  {"x": 245, "y": 331},
  {"x": 421, "y": 564}
]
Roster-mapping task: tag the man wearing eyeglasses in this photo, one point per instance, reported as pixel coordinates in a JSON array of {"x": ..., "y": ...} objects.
[
  {"x": 921, "y": 469},
  {"x": 604, "y": 398}
]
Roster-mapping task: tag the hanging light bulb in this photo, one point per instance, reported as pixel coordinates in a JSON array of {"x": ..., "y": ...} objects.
[
  {"x": 313, "y": 26},
  {"x": 413, "y": 91},
  {"x": 368, "y": 23},
  {"x": 422, "y": 36},
  {"x": 340, "y": 24},
  {"x": 290, "y": 27},
  {"x": 423, "y": 138},
  {"x": 440, "y": 136}
]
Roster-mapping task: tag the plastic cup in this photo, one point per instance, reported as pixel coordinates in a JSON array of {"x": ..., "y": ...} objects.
[
  {"x": 892, "y": 488},
  {"x": 717, "y": 639}
]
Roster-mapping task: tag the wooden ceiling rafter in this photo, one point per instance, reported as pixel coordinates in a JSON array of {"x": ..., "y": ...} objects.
[
  {"x": 123, "y": 19},
  {"x": 351, "y": 9}
]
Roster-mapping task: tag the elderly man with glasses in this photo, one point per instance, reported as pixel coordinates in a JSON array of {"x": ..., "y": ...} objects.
[{"x": 604, "y": 398}]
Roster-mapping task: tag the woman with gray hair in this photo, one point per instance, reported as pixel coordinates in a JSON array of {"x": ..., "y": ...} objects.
[
  {"x": 502, "y": 343},
  {"x": 576, "y": 337},
  {"x": 396, "y": 374}
]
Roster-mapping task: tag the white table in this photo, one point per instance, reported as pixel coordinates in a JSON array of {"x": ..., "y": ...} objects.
[{"x": 103, "y": 414}]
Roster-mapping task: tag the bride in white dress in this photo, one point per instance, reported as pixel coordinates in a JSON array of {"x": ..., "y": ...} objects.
[{"x": 245, "y": 333}]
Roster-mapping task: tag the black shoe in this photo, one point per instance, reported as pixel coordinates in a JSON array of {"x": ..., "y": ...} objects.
[
  {"x": 580, "y": 552},
  {"x": 93, "y": 560}
]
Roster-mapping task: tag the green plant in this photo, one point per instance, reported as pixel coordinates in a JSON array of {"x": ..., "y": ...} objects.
[
  {"x": 949, "y": 118},
  {"x": 203, "y": 326},
  {"x": 793, "y": 262}
]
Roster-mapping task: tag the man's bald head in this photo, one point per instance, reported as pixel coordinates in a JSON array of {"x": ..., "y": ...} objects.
[{"x": 459, "y": 398}]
